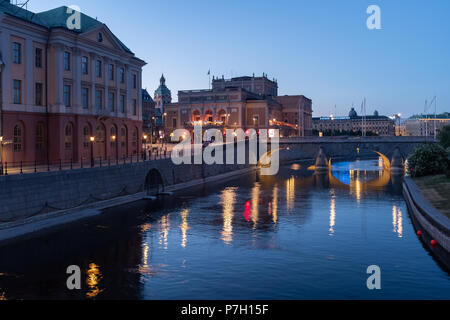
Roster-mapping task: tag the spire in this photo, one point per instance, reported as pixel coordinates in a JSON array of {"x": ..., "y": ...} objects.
[{"x": 162, "y": 81}]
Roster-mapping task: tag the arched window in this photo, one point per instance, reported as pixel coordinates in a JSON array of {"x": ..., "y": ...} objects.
[
  {"x": 86, "y": 137},
  {"x": 39, "y": 137},
  {"x": 134, "y": 138},
  {"x": 18, "y": 140},
  {"x": 196, "y": 116},
  {"x": 68, "y": 137},
  {"x": 209, "y": 116},
  {"x": 113, "y": 137},
  {"x": 222, "y": 115},
  {"x": 123, "y": 137}
]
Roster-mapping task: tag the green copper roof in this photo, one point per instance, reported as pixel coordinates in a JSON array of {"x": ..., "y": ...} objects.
[
  {"x": 55, "y": 18},
  {"x": 16, "y": 11}
]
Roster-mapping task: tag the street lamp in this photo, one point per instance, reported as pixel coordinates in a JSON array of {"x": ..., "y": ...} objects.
[
  {"x": 1, "y": 155},
  {"x": 92, "y": 140},
  {"x": 145, "y": 146}
]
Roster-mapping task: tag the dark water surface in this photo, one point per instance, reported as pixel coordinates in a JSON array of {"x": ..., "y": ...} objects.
[{"x": 293, "y": 236}]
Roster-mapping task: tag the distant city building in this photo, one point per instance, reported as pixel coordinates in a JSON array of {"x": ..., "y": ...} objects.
[
  {"x": 148, "y": 112},
  {"x": 59, "y": 87},
  {"x": 242, "y": 102},
  {"x": 426, "y": 125},
  {"x": 354, "y": 124},
  {"x": 162, "y": 95}
]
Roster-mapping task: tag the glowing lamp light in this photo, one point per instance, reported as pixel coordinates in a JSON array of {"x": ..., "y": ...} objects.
[
  {"x": 92, "y": 139},
  {"x": 271, "y": 133},
  {"x": 145, "y": 137}
]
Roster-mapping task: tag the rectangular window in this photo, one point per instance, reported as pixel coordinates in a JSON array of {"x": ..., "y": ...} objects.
[
  {"x": 67, "y": 95},
  {"x": 111, "y": 102},
  {"x": 84, "y": 65},
  {"x": 17, "y": 53},
  {"x": 85, "y": 97},
  {"x": 134, "y": 81},
  {"x": 98, "y": 68},
  {"x": 17, "y": 91},
  {"x": 38, "y": 58},
  {"x": 134, "y": 107},
  {"x": 67, "y": 61},
  {"x": 98, "y": 99},
  {"x": 122, "y": 103},
  {"x": 39, "y": 137},
  {"x": 111, "y": 72},
  {"x": 38, "y": 94},
  {"x": 174, "y": 122},
  {"x": 122, "y": 75}
]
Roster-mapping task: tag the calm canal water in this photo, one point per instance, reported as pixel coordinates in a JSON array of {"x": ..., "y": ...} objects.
[{"x": 293, "y": 236}]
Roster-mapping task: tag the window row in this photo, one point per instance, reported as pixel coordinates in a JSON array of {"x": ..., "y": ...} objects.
[
  {"x": 18, "y": 138},
  {"x": 17, "y": 55},
  {"x": 38, "y": 54},
  {"x": 100, "y": 137}
]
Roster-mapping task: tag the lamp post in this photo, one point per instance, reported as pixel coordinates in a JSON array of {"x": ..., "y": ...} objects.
[
  {"x": 164, "y": 126},
  {"x": 92, "y": 140},
  {"x": 1, "y": 155},
  {"x": 144, "y": 137},
  {"x": 153, "y": 130}
]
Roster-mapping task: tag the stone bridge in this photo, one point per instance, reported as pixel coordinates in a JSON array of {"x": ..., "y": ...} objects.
[{"x": 350, "y": 148}]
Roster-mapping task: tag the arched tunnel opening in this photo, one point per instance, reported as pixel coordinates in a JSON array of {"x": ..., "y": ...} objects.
[{"x": 154, "y": 183}]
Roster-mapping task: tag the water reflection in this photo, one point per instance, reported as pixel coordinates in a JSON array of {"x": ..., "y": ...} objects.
[
  {"x": 164, "y": 227},
  {"x": 93, "y": 278},
  {"x": 233, "y": 240},
  {"x": 332, "y": 212},
  {"x": 290, "y": 193},
  {"x": 397, "y": 220},
  {"x": 255, "y": 204},
  {"x": 184, "y": 227},
  {"x": 228, "y": 201},
  {"x": 274, "y": 204}
]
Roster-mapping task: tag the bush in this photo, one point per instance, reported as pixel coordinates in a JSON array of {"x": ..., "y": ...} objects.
[
  {"x": 428, "y": 159},
  {"x": 444, "y": 137}
]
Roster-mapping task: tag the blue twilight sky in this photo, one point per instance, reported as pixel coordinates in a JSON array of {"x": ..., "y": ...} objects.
[{"x": 321, "y": 49}]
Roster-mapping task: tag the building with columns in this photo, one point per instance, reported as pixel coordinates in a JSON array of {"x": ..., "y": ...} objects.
[
  {"x": 243, "y": 102},
  {"x": 61, "y": 86}
]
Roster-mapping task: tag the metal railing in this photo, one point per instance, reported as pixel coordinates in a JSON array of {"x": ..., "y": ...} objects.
[{"x": 26, "y": 167}]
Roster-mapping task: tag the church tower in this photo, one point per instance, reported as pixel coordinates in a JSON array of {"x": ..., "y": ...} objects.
[{"x": 163, "y": 95}]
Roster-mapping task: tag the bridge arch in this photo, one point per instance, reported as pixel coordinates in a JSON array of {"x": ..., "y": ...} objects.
[{"x": 154, "y": 183}]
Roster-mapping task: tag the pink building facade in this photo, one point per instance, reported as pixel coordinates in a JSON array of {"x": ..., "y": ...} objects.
[{"x": 60, "y": 87}]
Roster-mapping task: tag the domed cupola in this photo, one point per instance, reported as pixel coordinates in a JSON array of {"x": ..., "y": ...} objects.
[{"x": 352, "y": 113}]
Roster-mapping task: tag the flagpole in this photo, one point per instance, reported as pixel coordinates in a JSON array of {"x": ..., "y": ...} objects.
[{"x": 209, "y": 82}]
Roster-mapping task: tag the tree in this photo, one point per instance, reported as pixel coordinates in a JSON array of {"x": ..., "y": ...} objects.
[
  {"x": 428, "y": 159},
  {"x": 444, "y": 137}
]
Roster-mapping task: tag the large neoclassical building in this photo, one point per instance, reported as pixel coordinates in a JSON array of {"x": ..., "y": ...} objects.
[
  {"x": 60, "y": 86},
  {"x": 242, "y": 102}
]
